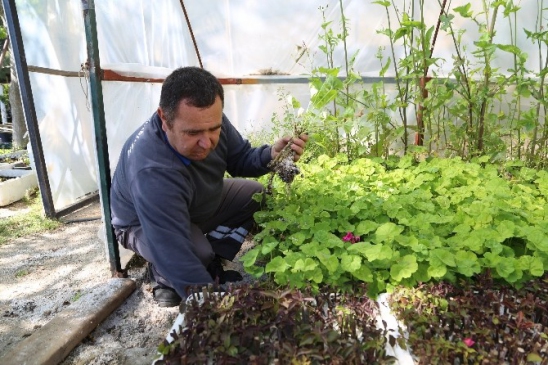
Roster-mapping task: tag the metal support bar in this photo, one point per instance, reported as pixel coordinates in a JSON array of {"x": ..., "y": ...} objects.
[
  {"x": 111, "y": 75},
  {"x": 192, "y": 34},
  {"x": 92, "y": 198},
  {"x": 98, "y": 110},
  {"x": 29, "y": 110},
  {"x": 50, "y": 71}
]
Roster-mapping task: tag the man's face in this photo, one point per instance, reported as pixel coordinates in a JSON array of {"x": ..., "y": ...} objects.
[{"x": 195, "y": 131}]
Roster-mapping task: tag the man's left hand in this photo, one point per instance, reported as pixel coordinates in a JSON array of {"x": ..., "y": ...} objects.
[{"x": 297, "y": 146}]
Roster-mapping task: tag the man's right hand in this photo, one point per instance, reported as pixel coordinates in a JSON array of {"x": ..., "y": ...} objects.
[{"x": 297, "y": 146}]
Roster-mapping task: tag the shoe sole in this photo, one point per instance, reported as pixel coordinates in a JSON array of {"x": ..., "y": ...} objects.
[{"x": 165, "y": 304}]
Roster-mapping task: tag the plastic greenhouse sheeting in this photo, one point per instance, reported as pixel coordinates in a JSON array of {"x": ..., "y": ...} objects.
[{"x": 236, "y": 38}]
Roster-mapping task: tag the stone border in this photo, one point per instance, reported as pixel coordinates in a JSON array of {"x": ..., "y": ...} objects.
[{"x": 54, "y": 341}]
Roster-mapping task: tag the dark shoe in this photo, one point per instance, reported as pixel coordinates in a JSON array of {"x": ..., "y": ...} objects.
[
  {"x": 220, "y": 275},
  {"x": 166, "y": 296},
  {"x": 163, "y": 294}
]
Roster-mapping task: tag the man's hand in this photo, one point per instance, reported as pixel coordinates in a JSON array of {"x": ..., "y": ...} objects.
[{"x": 297, "y": 146}]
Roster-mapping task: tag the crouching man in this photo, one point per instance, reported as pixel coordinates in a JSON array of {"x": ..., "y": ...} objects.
[{"x": 170, "y": 200}]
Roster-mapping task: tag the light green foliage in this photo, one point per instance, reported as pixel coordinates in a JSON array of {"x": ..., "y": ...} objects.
[
  {"x": 21, "y": 273},
  {"x": 76, "y": 296},
  {"x": 439, "y": 219},
  {"x": 335, "y": 117},
  {"x": 477, "y": 109},
  {"x": 27, "y": 223}
]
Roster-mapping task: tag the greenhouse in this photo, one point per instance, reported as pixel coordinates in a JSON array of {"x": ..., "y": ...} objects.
[{"x": 413, "y": 228}]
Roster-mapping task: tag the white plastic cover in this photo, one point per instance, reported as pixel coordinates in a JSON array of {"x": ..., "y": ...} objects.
[{"x": 236, "y": 38}]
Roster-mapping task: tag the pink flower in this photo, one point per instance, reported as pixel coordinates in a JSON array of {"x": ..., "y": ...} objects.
[
  {"x": 469, "y": 342},
  {"x": 351, "y": 238}
]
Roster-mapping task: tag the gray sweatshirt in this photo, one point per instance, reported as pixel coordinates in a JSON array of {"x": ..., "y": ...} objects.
[{"x": 155, "y": 187}]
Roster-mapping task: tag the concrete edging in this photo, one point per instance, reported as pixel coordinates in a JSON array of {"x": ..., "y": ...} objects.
[
  {"x": 54, "y": 341},
  {"x": 15, "y": 189}
]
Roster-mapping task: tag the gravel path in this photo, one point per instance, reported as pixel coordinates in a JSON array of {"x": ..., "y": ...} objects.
[{"x": 41, "y": 274}]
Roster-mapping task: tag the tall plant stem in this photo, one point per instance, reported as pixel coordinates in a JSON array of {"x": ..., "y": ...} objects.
[
  {"x": 466, "y": 93},
  {"x": 486, "y": 80},
  {"x": 424, "y": 80},
  {"x": 540, "y": 87},
  {"x": 540, "y": 104},
  {"x": 347, "y": 87},
  {"x": 423, "y": 93},
  {"x": 330, "y": 64},
  {"x": 345, "y": 46},
  {"x": 436, "y": 31},
  {"x": 401, "y": 93},
  {"x": 545, "y": 132},
  {"x": 513, "y": 40}
]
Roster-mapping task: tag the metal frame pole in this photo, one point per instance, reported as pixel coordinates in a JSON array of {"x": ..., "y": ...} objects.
[
  {"x": 98, "y": 110},
  {"x": 29, "y": 109}
]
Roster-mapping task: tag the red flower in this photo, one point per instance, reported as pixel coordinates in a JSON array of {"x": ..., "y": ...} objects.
[
  {"x": 469, "y": 342},
  {"x": 351, "y": 238}
]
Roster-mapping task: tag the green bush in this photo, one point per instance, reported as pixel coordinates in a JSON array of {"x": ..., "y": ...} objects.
[{"x": 400, "y": 224}]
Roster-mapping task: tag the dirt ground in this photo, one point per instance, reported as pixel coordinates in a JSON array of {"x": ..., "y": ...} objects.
[{"x": 43, "y": 273}]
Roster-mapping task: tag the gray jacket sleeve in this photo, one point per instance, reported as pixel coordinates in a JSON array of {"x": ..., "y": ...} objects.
[{"x": 242, "y": 159}]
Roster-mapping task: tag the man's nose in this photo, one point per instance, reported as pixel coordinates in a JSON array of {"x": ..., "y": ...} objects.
[{"x": 205, "y": 142}]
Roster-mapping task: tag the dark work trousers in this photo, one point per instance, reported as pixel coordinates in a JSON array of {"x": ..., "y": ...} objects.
[{"x": 234, "y": 214}]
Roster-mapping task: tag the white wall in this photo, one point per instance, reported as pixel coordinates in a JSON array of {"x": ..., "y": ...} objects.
[{"x": 236, "y": 38}]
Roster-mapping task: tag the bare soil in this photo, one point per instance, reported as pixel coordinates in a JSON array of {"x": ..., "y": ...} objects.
[{"x": 43, "y": 273}]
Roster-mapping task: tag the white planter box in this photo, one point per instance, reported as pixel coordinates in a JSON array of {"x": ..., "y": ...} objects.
[
  {"x": 15, "y": 189},
  {"x": 402, "y": 356},
  {"x": 6, "y": 157},
  {"x": 5, "y": 166}
]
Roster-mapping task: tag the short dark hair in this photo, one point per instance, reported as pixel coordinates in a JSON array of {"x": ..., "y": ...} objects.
[{"x": 196, "y": 86}]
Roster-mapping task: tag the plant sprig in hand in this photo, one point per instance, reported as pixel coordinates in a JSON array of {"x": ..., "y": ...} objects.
[{"x": 284, "y": 166}]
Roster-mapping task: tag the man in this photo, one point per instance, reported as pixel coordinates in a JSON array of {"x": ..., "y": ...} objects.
[{"x": 170, "y": 200}]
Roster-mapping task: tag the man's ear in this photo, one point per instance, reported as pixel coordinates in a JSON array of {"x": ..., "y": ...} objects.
[{"x": 165, "y": 126}]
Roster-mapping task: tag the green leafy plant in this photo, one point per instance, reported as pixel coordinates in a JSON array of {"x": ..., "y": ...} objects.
[
  {"x": 533, "y": 121},
  {"x": 439, "y": 219},
  {"x": 478, "y": 83},
  {"x": 476, "y": 109},
  {"x": 417, "y": 40},
  {"x": 335, "y": 116}
]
